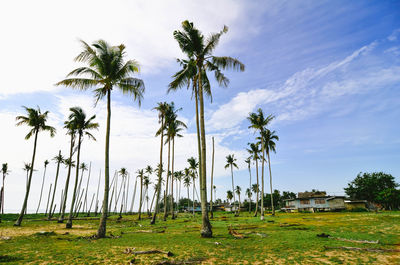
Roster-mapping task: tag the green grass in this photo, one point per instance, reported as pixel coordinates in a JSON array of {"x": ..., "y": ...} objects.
[{"x": 284, "y": 239}]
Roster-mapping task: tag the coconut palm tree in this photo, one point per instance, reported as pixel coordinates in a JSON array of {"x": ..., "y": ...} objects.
[
  {"x": 140, "y": 174},
  {"x": 107, "y": 70},
  {"x": 248, "y": 193},
  {"x": 146, "y": 184},
  {"x": 37, "y": 120},
  {"x": 197, "y": 48},
  {"x": 229, "y": 195},
  {"x": 259, "y": 122},
  {"x": 230, "y": 163},
  {"x": 82, "y": 126},
  {"x": 238, "y": 190},
  {"x": 193, "y": 165},
  {"x": 69, "y": 163},
  {"x": 5, "y": 172},
  {"x": 254, "y": 154},
  {"x": 162, "y": 108},
  {"x": 174, "y": 127},
  {"x": 248, "y": 162},
  {"x": 46, "y": 162},
  {"x": 59, "y": 159},
  {"x": 269, "y": 137},
  {"x": 186, "y": 182},
  {"x": 124, "y": 175}
]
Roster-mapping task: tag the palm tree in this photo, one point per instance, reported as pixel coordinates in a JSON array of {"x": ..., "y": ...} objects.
[
  {"x": 124, "y": 174},
  {"x": 37, "y": 120},
  {"x": 106, "y": 70},
  {"x": 193, "y": 165},
  {"x": 69, "y": 163},
  {"x": 5, "y": 172},
  {"x": 140, "y": 174},
  {"x": 229, "y": 195},
  {"x": 199, "y": 50},
  {"x": 254, "y": 153},
  {"x": 248, "y": 193},
  {"x": 149, "y": 170},
  {"x": 230, "y": 162},
  {"x": 46, "y": 162},
  {"x": 269, "y": 138},
  {"x": 186, "y": 182},
  {"x": 248, "y": 162},
  {"x": 174, "y": 126},
  {"x": 212, "y": 180},
  {"x": 82, "y": 126},
  {"x": 258, "y": 122},
  {"x": 238, "y": 190},
  {"x": 146, "y": 184},
  {"x": 162, "y": 108},
  {"x": 58, "y": 159}
]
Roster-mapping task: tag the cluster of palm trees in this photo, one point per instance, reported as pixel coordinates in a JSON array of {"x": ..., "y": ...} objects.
[{"x": 105, "y": 70}]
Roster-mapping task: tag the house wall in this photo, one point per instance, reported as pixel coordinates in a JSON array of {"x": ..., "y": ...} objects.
[
  {"x": 337, "y": 203},
  {"x": 356, "y": 205}
]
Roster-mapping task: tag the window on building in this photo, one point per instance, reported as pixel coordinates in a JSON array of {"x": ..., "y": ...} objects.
[
  {"x": 319, "y": 201},
  {"x": 304, "y": 201}
]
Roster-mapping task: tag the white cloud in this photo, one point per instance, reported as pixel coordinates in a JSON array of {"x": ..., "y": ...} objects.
[{"x": 40, "y": 37}]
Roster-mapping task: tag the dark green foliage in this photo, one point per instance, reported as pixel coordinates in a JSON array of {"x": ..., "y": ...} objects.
[{"x": 377, "y": 187}]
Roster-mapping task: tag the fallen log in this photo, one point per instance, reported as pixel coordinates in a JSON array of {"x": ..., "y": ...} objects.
[
  {"x": 234, "y": 233},
  {"x": 179, "y": 262},
  {"x": 379, "y": 250},
  {"x": 153, "y": 251}
]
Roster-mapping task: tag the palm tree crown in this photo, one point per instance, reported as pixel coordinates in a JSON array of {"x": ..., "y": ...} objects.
[{"x": 37, "y": 120}]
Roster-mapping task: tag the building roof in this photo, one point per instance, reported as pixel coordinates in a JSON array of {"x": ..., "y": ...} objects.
[{"x": 317, "y": 197}]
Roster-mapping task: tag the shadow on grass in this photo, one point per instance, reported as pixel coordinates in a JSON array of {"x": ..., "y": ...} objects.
[{"x": 6, "y": 258}]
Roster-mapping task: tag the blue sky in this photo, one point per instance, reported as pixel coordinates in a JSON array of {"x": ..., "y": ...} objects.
[{"x": 328, "y": 70}]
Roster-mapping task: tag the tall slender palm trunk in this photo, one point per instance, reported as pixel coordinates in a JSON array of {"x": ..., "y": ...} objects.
[
  {"x": 55, "y": 187},
  {"x": 233, "y": 189},
  {"x": 258, "y": 189},
  {"x": 97, "y": 195},
  {"x": 153, "y": 219},
  {"x": 85, "y": 205},
  {"x": 48, "y": 199},
  {"x": 41, "y": 190},
  {"x": 74, "y": 196},
  {"x": 206, "y": 225},
  {"x": 101, "y": 232},
  {"x": 212, "y": 178},
  {"x": 23, "y": 210},
  {"x": 133, "y": 196},
  {"x": 172, "y": 179},
  {"x": 262, "y": 178},
  {"x": 166, "y": 184},
  {"x": 64, "y": 200},
  {"x": 141, "y": 198},
  {"x": 270, "y": 184},
  {"x": 250, "y": 188}
]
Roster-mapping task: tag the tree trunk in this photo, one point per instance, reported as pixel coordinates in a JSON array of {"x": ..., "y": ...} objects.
[
  {"x": 71, "y": 212},
  {"x": 206, "y": 225},
  {"x": 172, "y": 180},
  {"x": 97, "y": 195},
  {"x": 101, "y": 232},
  {"x": 262, "y": 177},
  {"x": 141, "y": 197},
  {"x": 48, "y": 199},
  {"x": 233, "y": 189},
  {"x": 41, "y": 190},
  {"x": 85, "y": 205},
  {"x": 258, "y": 189},
  {"x": 166, "y": 184},
  {"x": 152, "y": 200},
  {"x": 127, "y": 194},
  {"x": 55, "y": 187},
  {"x": 153, "y": 219},
  {"x": 133, "y": 197},
  {"x": 21, "y": 215},
  {"x": 212, "y": 179},
  {"x": 270, "y": 184},
  {"x": 64, "y": 201},
  {"x": 188, "y": 197}
]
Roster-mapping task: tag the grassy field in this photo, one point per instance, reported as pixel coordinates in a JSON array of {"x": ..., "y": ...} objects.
[{"x": 284, "y": 239}]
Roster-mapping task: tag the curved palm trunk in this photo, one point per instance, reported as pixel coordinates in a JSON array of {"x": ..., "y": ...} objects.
[
  {"x": 262, "y": 178},
  {"x": 250, "y": 189},
  {"x": 141, "y": 198},
  {"x": 193, "y": 196},
  {"x": 133, "y": 196},
  {"x": 172, "y": 179},
  {"x": 85, "y": 205},
  {"x": 188, "y": 197},
  {"x": 196, "y": 92},
  {"x": 152, "y": 201},
  {"x": 41, "y": 190},
  {"x": 97, "y": 195},
  {"x": 206, "y": 225},
  {"x": 258, "y": 190},
  {"x": 270, "y": 184},
  {"x": 212, "y": 178},
  {"x": 166, "y": 184},
  {"x": 153, "y": 219},
  {"x": 233, "y": 189},
  {"x": 71, "y": 212},
  {"x": 48, "y": 199},
  {"x": 101, "y": 232},
  {"x": 64, "y": 200},
  {"x": 55, "y": 188},
  {"x": 28, "y": 186}
]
